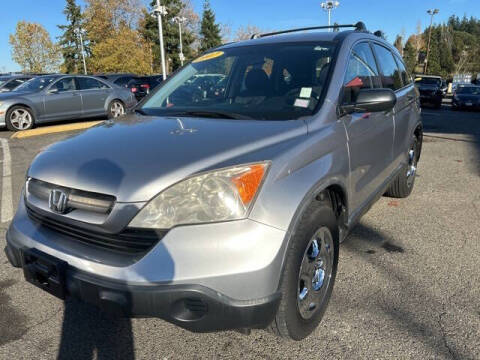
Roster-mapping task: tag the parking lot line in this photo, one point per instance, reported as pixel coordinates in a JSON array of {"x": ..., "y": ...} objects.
[
  {"x": 6, "y": 210},
  {"x": 54, "y": 129}
]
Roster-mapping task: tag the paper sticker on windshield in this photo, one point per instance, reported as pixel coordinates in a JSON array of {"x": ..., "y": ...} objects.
[
  {"x": 209, "y": 56},
  {"x": 303, "y": 103},
  {"x": 306, "y": 92}
]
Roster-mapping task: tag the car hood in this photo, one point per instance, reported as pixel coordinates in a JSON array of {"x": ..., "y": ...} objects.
[{"x": 136, "y": 157}]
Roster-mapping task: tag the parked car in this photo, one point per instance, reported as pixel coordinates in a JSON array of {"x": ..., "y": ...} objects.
[
  {"x": 118, "y": 79},
  {"x": 142, "y": 86},
  {"x": 61, "y": 97},
  {"x": 226, "y": 212},
  {"x": 466, "y": 97},
  {"x": 431, "y": 89},
  {"x": 11, "y": 82}
]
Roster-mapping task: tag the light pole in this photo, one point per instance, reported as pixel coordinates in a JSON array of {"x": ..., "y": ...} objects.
[
  {"x": 79, "y": 31},
  {"x": 432, "y": 13},
  {"x": 180, "y": 20},
  {"x": 328, "y": 6},
  {"x": 159, "y": 11}
]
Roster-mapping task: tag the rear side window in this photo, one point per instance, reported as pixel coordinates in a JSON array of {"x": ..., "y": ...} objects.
[
  {"x": 89, "y": 84},
  {"x": 362, "y": 72},
  {"x": 406, "y": 78},
  {"x": 391, "y": 74}
]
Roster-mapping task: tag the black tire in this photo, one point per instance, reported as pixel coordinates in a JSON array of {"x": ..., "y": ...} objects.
[
  {"x": 289, "y": 322},
  {"x": 116, "y": 102},
  {"x": 12, "y": 125},
  {"x": 402, "y": 185}
]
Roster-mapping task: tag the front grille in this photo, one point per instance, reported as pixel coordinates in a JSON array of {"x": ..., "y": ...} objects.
[
  {"x": 132, "y": 241},
  {"x": 77, "y": 199}
]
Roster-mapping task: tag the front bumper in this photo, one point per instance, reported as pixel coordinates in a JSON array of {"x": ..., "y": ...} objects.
[
  {"x": 3, "y": 114},
  {"x": 233, "y": 268},
  {"x": 193, "y": 307}
]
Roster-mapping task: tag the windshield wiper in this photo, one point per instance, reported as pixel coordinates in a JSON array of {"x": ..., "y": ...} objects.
[{"x": 211, "y": 114}]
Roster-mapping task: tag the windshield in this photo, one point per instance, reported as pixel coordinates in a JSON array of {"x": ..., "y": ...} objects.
[
  {"x": 429, "y": 81},
  {"x": 36, "y": 84},
  {"x": 469, "y": 90},
  {"x": 271, "y": 82}
]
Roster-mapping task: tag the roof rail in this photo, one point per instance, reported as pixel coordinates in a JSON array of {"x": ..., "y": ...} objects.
[{"x": 359, "y": 26}]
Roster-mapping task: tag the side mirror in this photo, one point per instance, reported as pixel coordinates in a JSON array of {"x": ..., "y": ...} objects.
[{"x": 372, "y": 100}]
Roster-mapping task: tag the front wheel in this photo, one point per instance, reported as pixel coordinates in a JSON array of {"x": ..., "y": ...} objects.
[
  {"x": 116, "y": 109},
  {"x": 309, "y": 272},
  {"x": 19, "y": 118}
]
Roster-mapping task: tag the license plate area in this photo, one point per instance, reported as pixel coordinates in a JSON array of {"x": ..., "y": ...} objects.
[{"x": 44, "y": 271}]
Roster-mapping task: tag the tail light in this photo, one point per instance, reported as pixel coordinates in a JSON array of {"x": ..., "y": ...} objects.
[
  {"x": 146, "y": 87},
  {"x": 134, "y": 89}
]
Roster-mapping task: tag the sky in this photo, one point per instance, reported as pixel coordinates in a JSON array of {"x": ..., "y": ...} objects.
[{"x": 391, "y": 16}]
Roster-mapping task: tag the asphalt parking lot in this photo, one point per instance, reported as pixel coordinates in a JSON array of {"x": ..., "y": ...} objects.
[{"x": 408, "y": 284}]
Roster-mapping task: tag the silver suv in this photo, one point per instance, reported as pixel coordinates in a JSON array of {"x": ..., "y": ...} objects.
[{"x": 221, "y": 203}]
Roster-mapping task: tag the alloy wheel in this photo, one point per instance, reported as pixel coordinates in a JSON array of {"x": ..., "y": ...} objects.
[
  {"x": 21, "y": 119},
  {"x": 117, "y": 109}
]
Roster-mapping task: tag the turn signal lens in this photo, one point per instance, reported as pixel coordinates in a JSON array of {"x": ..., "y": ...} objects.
[{"x": 247, "y": 183}]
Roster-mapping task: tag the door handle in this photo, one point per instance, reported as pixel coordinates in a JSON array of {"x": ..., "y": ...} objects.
[{"x": 75, "y": 94}]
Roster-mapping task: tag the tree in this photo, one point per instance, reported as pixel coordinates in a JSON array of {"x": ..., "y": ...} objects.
[
  {"x": 209, "y": 30},
  {"x": 410, "y": 55},
  {"x": 171, "y": 38},
  {"x": 115, "y": 43},
  {"x": 69, "y": 41},
  {"x": 33, "y": 49},
  {"x": 246, "y": 32},
  {"x": 398, "y": 43},
  {"x": 124, "y": 51}
]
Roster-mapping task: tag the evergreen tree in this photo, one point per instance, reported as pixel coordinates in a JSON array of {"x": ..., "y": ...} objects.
[
  {"x": 69, "y": 41},
  {"x": 209, "y": 31},
  {"x": 171, "y": 38},
  {"x": 410, "y": 56}
]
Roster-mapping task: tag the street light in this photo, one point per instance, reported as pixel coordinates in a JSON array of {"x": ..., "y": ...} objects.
[
  {"x": 180, "y": 20},
  {"x": 79, "y": 32},
  {"x": 432, "y": 13},
  {"x": 328, "y": 6},
  {"x": 158, "y": 11}
]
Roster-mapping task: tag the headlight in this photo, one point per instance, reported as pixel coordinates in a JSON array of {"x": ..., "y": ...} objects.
[{"x": 220, "y": 195}]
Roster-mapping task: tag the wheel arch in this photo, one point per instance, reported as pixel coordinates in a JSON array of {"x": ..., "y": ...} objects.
[
  {"x": 336, "y": 191},
  {"x": 24, "y": 104}
]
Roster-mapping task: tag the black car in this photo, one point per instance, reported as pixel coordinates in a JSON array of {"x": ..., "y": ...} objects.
[
  {"x": 431, "y": 89},
  {"x": 143, "y": 85},
  {"x": 466, "y": 97},
  {"x": 10, "y": 82},
  {"x": 118, "y": 79}
]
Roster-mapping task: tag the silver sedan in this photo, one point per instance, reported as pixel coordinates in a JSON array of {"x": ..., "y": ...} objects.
[{"x": 62, "y": 97}]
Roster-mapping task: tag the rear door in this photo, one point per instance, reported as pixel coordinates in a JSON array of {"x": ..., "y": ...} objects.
[
  {"x": 370, "y": 135},
  {"x": 62, "y": 100},
  {"x": 94, "y": 95},
  {"x": 394, "y": 76}
]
